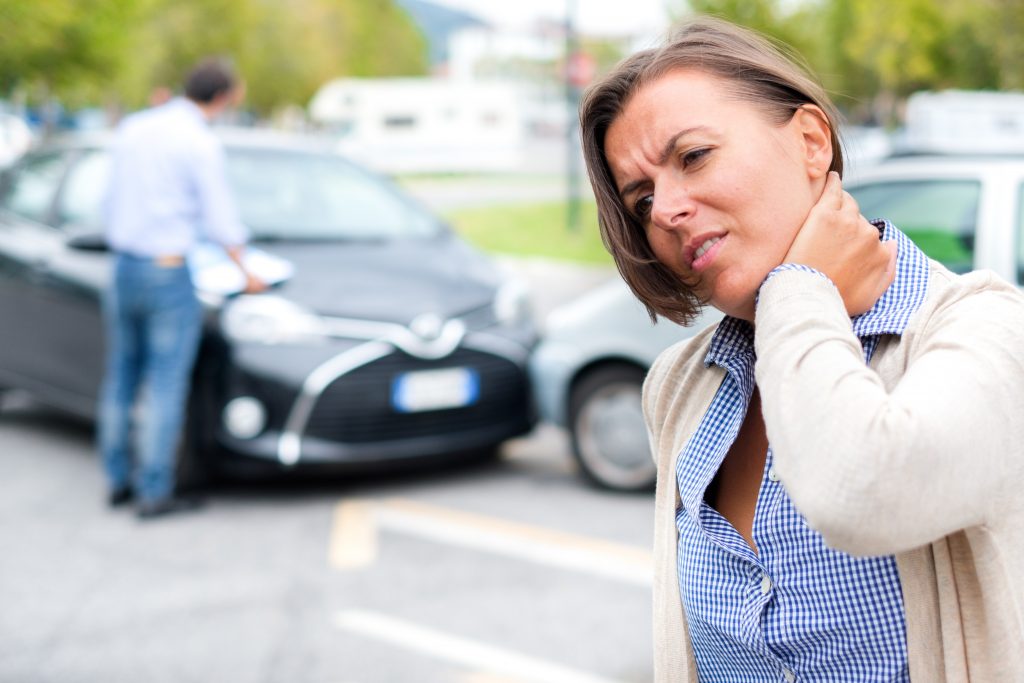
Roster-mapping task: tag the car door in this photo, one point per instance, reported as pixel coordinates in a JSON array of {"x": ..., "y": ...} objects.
[
  {"x": 27, "y": 244},
  {"x": 78, "y": 271}
]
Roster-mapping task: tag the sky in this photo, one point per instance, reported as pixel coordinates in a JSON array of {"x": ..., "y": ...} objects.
[{"x": 630, "y": 17}]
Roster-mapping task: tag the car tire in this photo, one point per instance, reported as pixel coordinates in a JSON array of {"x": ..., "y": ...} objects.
[{"x": 607, "y": 430}]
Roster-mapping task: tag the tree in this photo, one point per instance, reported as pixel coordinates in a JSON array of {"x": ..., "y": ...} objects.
[
  {"x": 764, "y": 16},
  {"x": 61, "y": 45},
  {"x": 871, "y": 54},
  {"x": 117, "y": 51},
  {"x": 285, "y": 49},
  {"x": 1001, "y": 23}
]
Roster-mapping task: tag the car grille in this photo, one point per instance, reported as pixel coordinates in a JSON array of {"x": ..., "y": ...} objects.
[{"x": 357, "y": 408}]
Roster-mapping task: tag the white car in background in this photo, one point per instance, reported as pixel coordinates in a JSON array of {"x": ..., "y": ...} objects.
[
  {"x": 964, "y": 211},
  {"x": 587, "y": 372},
  {"x": 15, "y": 138}
]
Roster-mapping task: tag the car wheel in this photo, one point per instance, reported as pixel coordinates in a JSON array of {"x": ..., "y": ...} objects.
[{"x": 607, "y": 430}]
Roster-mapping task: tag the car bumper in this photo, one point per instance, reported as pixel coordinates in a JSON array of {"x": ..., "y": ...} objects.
[{"x": 336, "y": 408}]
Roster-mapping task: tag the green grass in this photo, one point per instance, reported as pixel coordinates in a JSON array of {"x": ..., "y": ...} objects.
[{"x": 533, "y": 230}]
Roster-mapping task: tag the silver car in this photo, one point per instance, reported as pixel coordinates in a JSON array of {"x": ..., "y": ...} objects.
[{"x": 587, "y": 372}]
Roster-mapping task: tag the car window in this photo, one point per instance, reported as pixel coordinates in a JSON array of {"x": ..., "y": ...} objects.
[
  {"x": 940, "y": 216},
  {"x": 81, "y": 201},
  {"x": 291, "y": 195},
  {"x": 32, "y": 185}
]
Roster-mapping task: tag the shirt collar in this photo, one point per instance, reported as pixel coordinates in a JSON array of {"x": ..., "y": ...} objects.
[
  {"x": 890, "y": 314},
  {"x": 190, "y": 108},
  {"x": 734, "y": 337}
]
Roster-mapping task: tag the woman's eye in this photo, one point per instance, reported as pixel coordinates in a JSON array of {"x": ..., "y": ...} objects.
[
  {"x": 643, "y": 205},
  {"x": 695, "y": 156}
]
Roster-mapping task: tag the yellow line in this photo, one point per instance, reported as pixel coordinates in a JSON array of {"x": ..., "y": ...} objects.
[
  {"x": 526, "y": 532},
  {"x": 353, "y": 536},
  {"x": 353, "y": 539},
  {"x": 481, "y": 677}
]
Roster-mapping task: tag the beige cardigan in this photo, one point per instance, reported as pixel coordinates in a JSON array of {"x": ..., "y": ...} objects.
[{"x": 920, "y": 455}]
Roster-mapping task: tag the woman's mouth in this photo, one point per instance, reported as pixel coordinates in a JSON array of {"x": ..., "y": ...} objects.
[{"x": 705, "y": 252}]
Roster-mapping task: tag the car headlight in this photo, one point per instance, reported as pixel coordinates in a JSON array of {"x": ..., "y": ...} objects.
[
  {"x": 264, "y": 319},
  {"x": 512, "y": 303}
]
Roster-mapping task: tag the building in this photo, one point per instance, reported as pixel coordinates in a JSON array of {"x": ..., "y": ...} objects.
[{"x": 415, "y": 125}]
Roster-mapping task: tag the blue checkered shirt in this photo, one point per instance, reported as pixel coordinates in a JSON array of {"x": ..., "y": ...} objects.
[{"x": 796, "y": 610}]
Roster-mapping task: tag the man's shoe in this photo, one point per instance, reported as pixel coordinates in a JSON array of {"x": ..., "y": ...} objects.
[
  {"x": 120, "y": 496},
  {"x": 151, "y": 509}
]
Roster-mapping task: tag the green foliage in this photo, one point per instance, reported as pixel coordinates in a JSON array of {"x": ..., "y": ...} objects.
[
  {"x": 1001, "y": 23},
  {"x": 55, "y": 44},
  {"x": 764, "y": 16},
  {"x": 901, "y": 43},
  {"x": 119, "y": 50},
  {"x": 872, "y": 53},
  {"x": 533, "y": 230}
]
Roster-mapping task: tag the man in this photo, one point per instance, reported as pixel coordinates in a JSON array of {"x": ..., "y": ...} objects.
[{"x": 168, "y": 189}]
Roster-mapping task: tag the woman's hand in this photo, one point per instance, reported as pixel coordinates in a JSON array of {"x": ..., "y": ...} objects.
[{"x": 837, "y": 241}]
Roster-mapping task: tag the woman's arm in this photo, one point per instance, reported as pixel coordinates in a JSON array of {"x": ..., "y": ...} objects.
[{"x": 879, "y": 469}]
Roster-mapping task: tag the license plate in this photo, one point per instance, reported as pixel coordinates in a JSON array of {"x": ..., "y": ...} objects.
[{"x": 415, "y": 392}]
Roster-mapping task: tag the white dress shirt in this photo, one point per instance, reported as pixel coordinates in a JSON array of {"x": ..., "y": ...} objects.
[{"x": 168, "y": 185}]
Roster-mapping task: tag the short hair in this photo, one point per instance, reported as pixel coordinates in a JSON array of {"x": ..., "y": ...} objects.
[
  {"x": 209, "y": 79},
  {"x": 755, "y": 69}
]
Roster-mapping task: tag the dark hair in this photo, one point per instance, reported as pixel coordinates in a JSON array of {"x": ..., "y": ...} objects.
[
  {"x": 209, "y": 79},
  {"x": 755, "y": 70}
]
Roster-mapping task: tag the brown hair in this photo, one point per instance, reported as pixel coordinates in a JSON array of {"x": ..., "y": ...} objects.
[
  {"x": 209, "y": 79},
  {"x": 756, "y": 70}
]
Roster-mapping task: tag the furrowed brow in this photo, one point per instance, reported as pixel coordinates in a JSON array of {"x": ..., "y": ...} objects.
[
  {"x": 666, "y": 152},
  {"x": 670, "y": 146}
]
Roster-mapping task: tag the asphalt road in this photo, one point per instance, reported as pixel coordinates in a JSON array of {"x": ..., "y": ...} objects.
[
  {"x": 499, "y": 572},
  {"x": 503, "y": 571}
]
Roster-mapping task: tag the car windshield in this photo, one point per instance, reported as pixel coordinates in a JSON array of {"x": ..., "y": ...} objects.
[{"x": 285, "y": 195}]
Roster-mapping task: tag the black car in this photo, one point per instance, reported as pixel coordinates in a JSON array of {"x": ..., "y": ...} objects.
[{"x": 393, "y": 341}]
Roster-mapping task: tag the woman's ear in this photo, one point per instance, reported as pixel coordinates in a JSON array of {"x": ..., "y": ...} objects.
[{"x": 816, "y": 135}]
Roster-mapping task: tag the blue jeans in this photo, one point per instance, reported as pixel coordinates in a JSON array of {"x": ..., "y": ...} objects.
[{"x": 154, "y": 321}]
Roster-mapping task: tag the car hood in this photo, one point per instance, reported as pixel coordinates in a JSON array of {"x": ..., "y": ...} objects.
[{"x": 392, "y": 281}]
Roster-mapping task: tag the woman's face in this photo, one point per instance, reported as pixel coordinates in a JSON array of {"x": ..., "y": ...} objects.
[{"x": 720, "y": 189}]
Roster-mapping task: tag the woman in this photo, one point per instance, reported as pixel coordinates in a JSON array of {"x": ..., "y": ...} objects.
[{"x": 840, "y": 458}]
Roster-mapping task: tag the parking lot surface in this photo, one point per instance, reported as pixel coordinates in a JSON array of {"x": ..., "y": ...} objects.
[
  {"x": 504, "y": 571},
  {"x": 496, "y": 572}
]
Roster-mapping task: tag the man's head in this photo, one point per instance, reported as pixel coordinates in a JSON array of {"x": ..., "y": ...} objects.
[{"x": 212, "y": 84}]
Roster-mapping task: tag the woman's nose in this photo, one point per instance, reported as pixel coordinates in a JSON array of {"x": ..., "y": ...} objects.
[{"x": 671, "y": 206}]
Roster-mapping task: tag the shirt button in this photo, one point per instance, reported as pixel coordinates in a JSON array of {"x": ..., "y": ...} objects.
[
  {"x": 772, "y": 474},
  {"x": 766, "y": 585},
  {"x": 790, "y": 676}
]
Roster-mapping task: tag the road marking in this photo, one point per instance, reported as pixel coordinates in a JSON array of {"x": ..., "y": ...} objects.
[
  {"x": 353, "y": 536},
  {"x": 488, "y": 660},
  {"x": 480, "y": 677},
  {"x": 353, "y": 539}
]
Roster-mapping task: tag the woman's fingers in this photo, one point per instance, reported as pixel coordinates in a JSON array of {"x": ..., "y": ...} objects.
[
  {"x": 832, "y": 195},
  {"x": 849, "y": 203},
  {"x": 836, "y": 240}
]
